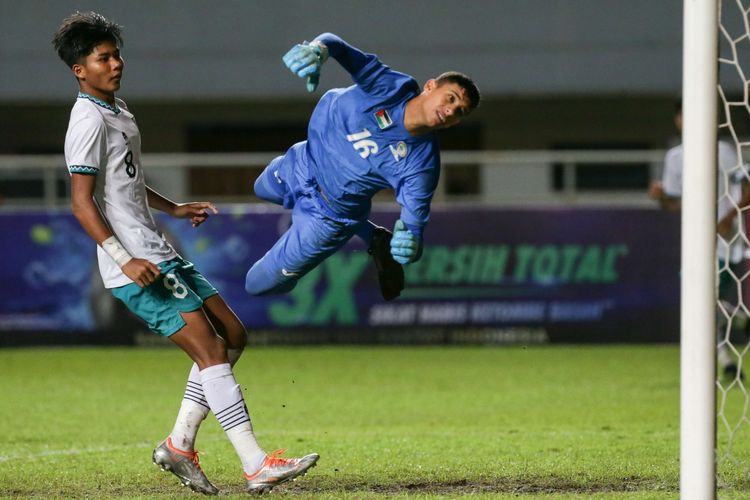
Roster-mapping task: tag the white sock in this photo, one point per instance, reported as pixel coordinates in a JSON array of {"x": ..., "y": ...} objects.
[
  {"x": 194, "y": 408},
  {"x": 225, "y": 399},
  {"x": 192, "y": 412}
]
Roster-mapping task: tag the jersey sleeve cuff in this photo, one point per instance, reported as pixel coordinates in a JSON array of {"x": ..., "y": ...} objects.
[
  {"x": 415, "y": 229},
  {"x": 83, "y": 169}
]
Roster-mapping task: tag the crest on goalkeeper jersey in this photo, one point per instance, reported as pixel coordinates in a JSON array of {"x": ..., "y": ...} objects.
[
  {"x": 383, "y": 119},
  {"x": 399, "y": 151}
]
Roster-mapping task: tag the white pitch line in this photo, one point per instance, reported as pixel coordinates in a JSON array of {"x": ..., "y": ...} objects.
[
  {"x": 70, "y": 451},
  {"x": 83, "y": 451},
  {"x": 106, "y": 449}
]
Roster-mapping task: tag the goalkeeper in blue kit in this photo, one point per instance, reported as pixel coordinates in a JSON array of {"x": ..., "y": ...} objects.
[{"x": 375, "y": 134}]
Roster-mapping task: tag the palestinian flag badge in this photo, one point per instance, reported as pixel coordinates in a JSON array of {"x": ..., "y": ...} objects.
[{"x": 383, "y": 119}]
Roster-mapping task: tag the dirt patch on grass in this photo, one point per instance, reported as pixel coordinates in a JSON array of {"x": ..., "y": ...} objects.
[
  {"x": 351, "y": 487},
  {"x": 483, "y": 486}
]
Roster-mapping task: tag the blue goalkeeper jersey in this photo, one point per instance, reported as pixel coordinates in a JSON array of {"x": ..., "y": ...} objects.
[{"x": 357, "y": 143}]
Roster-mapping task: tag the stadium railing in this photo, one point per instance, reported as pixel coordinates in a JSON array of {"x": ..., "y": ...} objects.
[{"x": 504, "y": 177}]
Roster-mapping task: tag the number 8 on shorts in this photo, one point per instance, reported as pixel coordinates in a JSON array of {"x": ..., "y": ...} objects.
[{"x": 172, "y": 284}]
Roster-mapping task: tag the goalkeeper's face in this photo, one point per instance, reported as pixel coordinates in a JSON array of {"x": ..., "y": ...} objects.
[{"x": 445, "y": 105}]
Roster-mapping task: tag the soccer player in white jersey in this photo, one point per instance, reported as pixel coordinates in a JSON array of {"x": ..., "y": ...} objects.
[
  {"x": 732, "y": 189},
  {"x": 112, "y": 202}
]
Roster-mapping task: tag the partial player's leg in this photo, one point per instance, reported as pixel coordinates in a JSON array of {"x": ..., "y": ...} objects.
[
  {"x": 225, "y": 398},
  {"x": 308, "y": 241},
  {"x": 200, "y": 341},
  {"x": 227, "y": 324},
  {"x": 171, "y": 307},
  {"x": 222, "y": 393},
  {"x": 271, "y": 187},
  {"x": 194, "y": 407}
]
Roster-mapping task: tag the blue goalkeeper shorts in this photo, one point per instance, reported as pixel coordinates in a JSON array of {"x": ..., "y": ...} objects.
[
  {"x": 309, "y": 240},
  {"x": 179, "y": 288},
  {"x": 316, "y": 232}
]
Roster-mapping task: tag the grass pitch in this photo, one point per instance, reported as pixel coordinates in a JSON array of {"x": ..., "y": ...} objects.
[{"x": 553, "y": 422}]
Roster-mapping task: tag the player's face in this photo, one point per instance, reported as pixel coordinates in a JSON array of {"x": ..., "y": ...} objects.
[
  {"x": 99, "y": 74},
  {"x": 446, "y": 104}
]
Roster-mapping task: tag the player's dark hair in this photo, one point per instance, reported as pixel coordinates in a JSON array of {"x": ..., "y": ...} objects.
[
  {"x": 81, "y": 32},
  {"x": 678, "y": 105},
  {"x": 472, "y": 92}
]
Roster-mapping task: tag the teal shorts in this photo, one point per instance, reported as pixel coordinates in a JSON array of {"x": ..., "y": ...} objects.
[{"x": 179, "y": 288}]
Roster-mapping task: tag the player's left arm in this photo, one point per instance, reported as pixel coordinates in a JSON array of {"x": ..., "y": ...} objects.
[
  {"x": 414, "y": 194},
  {"x": 196, "y": 211}
]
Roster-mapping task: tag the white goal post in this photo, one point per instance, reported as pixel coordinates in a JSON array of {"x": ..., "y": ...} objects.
[{"x": 698, "y": 339}]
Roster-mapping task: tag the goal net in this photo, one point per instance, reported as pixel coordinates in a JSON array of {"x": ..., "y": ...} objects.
[{"x": 732, "y": 282}]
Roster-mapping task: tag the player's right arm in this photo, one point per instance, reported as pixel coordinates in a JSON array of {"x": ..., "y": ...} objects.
[
  {"x": 141, "y": 271},
  {"x": 348, "y": 56}
]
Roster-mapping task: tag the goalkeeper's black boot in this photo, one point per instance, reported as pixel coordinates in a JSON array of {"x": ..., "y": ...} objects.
[{"x": 390, "y": 272}]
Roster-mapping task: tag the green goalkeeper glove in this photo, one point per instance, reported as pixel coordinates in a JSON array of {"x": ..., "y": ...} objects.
[
  {"x": 404, "y": 245},
  {"x": 305, "y": 60}
]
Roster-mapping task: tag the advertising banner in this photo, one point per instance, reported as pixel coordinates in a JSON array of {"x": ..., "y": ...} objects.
[{"x": 573, "y": 274}]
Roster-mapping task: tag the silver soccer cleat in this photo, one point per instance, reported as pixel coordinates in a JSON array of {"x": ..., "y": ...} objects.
[
  {"x": 275, "y": 471},
  {"x": 185, "y": 466}
]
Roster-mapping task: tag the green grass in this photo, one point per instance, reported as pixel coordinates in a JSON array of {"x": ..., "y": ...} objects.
[{"x": 425, "y": 422}]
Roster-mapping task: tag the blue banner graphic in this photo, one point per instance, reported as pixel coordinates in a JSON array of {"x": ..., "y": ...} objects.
[{"x": 577, "y": 273}]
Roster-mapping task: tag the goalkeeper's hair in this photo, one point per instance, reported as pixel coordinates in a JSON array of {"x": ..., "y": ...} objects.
[
  {"x": 472, "y": 92},
  {"x": 81, "y": 32}
]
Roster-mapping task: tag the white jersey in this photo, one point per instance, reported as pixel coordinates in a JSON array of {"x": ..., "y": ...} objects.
[
  {"x": 104, "y": 140},
  {"x": 731, "y": 174}
]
